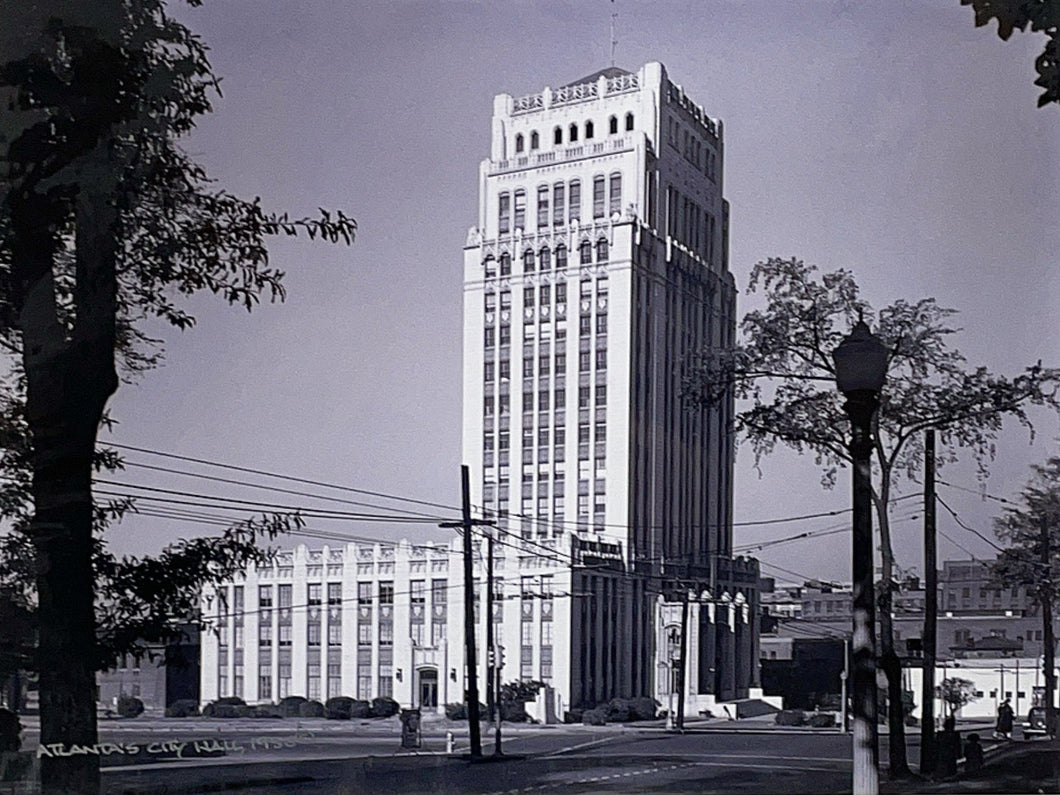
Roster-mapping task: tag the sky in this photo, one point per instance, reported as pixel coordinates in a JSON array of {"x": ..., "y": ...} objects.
[{"x": 892, "y": 139}]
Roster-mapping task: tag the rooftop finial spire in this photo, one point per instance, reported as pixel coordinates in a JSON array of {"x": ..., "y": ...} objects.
[{"x": 614, "y": 41}]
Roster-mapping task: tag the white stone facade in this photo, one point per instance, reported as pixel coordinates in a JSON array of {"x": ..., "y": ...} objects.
[{"x": 388, "y": 621}]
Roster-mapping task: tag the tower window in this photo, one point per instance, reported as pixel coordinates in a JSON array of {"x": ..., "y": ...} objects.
[
  {"x": 490, "y": 265},
  {"x": 504, "y": 213},
  {"x": 506, "y": 265},
  {"x": 612, "y": 125},
  {"x": 557, "y": 136},
  {"x": 546, "y": 259},
  {"x": 528, "y": 260},
  {"x": 616, "y": 193},
  {"x": 572, "y": 133},
  {"x": 585, "y": 251},
  {"x": 561, "y": 258},
  {"x": 542, "y": 207},
  {"x": 588, "y": 130},
  {"x": 598, "y": 197},
  {"x": 520, "y": 209},
  {"x": 629, "y": 122},
  {"x": 601, "y": 250},
  {"x": 575, "y": 200},
  {"x": 558, "y": 208},
  {"x": 535, "y": 140},
  {"x": 519, "y": 143}
]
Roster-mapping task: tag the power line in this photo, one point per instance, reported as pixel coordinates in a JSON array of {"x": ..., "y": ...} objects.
[
  {"x": 398, "y": 498},
  {"x": 972, "y": 530},
  {"x": 982, "y": 494},
  {"x": 249, "y": 484}
]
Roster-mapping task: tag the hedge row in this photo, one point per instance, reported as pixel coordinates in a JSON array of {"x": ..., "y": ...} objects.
[
  {"x": 337, "y": 708},
  {"x": 617, "y": 710}
]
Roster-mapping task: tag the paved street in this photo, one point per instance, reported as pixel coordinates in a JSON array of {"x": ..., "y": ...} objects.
[{"x": 569, "y": 759}]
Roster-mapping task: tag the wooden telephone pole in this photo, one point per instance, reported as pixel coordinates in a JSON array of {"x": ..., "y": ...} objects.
[{"x": 466, "y": 523}]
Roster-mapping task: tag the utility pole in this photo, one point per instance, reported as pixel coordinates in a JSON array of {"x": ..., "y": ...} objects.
[
  {"x": 844, "y": 675},
  {"x": 466, "y": 523},
  {"x": 491, "y": 652},
  {"x": 1045, "y": 596},
  {"x": 931, "y": 612},
  {"x": 683, "y": 654}
]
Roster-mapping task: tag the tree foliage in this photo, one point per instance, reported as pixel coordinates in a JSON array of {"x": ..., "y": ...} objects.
[
  {"x": 784, "y": 372},
  {"x": 105, "y": 222},
  {"x": 956, "y": 693},
  {"x": 1025, "y": 560},
  {"x": 1040, "y": 16}
]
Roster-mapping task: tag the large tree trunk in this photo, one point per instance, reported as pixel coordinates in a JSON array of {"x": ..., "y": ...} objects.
[
  {"x": 898, "y": 764},
  {"x": 69, "y": 378}
]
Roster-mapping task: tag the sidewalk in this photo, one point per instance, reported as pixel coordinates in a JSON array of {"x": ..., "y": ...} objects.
[{"x": 1015, "y": 766}]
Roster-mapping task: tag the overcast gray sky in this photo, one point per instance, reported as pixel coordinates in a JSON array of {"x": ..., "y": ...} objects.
[{"x": 894, "y": 139}]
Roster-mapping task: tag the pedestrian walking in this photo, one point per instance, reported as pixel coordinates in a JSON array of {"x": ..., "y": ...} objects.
[
  {"x": 1003, "y": 730},
  {"x": 948, "y": 749},
  {"x": 973, "y": 754}
]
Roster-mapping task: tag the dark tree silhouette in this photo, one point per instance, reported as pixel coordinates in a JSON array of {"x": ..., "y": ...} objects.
[{"x": 104, "y": 221}]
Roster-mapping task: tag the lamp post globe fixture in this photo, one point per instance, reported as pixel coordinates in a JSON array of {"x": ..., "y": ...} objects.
[
  {"x": 861, "y": 369},
  {"x": 860, "y": 361}
]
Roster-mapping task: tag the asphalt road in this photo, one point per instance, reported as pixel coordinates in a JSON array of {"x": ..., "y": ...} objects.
[{"x": 563, "y": 759}]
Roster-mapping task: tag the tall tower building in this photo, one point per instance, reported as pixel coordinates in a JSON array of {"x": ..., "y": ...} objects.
[{"x": 597, "y": 269}]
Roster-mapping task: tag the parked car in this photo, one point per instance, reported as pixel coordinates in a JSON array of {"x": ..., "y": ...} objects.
[{"x": 1037, "y": 723}]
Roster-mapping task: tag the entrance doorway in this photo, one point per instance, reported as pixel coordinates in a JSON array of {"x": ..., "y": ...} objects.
[{"x": 429, "y": 687}]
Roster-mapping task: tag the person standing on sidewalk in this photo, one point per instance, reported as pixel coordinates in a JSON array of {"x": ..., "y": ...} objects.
[
  {"x": 1004, "y": 721},
  {"x": 948, "y": 749},
  {"x": 973, "y": 754}
]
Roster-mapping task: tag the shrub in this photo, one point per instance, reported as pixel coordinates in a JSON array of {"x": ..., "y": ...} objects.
[
  {"x": 822, "y": 720},
  {"x": 457, "y": 711},
  {"x": 573, "y": 715},
  {"x": 215, "y": 710},
  {"x": 10, "y": 729},
  {"x": 129, "y": 706},
  {"x": 513, "y": 712},
  {"x": 265, "y": 711},
  {"x": 338, "y": 708},
  {"x": 361, "y": 709},
  {"x": 311, "y": 709},
  {"x": 183, "y": 708},
  {"x": 231, "y": 701},
  {"x": 384, "y": 707},
  {"x": 618, "y": 710},
  {"x": 791, "y": 717},
  {"x": 595, "y": 717},
  {"x": 643, "y": 708},
  {"x": 289, "y": 705}
]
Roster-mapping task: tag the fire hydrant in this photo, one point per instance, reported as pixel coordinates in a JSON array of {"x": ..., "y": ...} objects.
[{"x": 448, "y": 742}]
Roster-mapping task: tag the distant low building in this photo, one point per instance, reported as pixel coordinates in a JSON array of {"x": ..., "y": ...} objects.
[{"x": 166, "y": 674}]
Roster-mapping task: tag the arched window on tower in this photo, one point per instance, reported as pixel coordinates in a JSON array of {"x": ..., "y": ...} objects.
[
  {"x": 519, "y": 143},
  {"x": 585, "y": 251},
  {"x": 491, "y": 266},
  {"x": 528, "y": 261},
  {"x": 545, "y": 258},
  {"x": 506, "y": 264},
  {"x": 572, "y": 133},
  {"x": 561, "y": 258},
  {"x": 588, "y": 130},
  {"x": 601, "y": 250},
  {"x": 557, "y": 136},
  {"x": 629, "y": 122},
  {"x": 612, "y": 125},
  {"x": 535, "y": 141}
]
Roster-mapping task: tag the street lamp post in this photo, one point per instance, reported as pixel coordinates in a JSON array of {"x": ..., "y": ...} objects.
[{"x": 860, "y": 367}]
